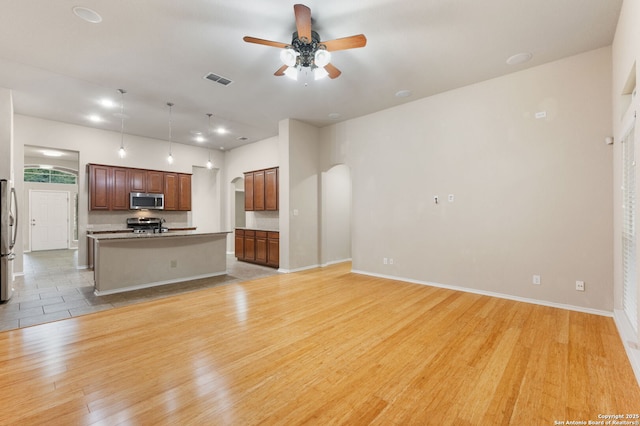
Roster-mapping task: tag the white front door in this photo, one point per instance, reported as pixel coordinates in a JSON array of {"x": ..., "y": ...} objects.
[{"x": 49, "y": 220}]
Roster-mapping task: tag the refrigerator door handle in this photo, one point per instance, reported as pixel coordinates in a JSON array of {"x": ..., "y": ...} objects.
[{"x": 13, "y": 220}]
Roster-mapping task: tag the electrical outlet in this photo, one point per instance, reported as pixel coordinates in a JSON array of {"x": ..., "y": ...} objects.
[
  {"x": 452, "y": 198},
  {"x": 391, "y": 261},
  {"x": 579, "y": 285},
  {"x": 536, "y": 279}
]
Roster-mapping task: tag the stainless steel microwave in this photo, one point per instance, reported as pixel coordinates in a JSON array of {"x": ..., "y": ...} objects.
[{"x": 142, "y": 200}]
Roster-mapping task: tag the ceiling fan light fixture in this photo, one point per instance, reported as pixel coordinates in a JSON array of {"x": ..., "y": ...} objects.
[
  {"x": 289, "y": 56},
  {"x": 319, "y": 73},
  {"x": 292, "y": 73},
  {"x": 322, "y": 57}
]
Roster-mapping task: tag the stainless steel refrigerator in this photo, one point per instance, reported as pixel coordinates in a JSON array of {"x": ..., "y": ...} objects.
[{"x": 8, "y": 234}]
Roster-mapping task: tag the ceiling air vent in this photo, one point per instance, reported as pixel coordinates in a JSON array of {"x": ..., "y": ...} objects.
[{"x": 218, "y": 79}]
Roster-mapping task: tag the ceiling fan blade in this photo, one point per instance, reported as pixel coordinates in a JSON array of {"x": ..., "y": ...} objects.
[
  {"x": 281, "y": 70},
  {"x": 333, "y": 71},
  {"x": 303, "y": 22},
  {"x": 345, "y": 43},
  {"x": 264, "y": 42}
]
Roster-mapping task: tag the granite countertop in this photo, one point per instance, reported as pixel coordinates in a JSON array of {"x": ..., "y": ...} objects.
[{"x": 131, "y": 235}]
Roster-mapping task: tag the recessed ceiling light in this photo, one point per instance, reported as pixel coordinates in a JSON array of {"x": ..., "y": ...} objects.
[
  {"x": 334, "y": 116},
  {"x": 87, "y": 14},
  {"x": 107, "y": 103},
  {"x": 222, "y": 148},
  {"x": 95, "y": 118},
  {"x": 519, "y": 58},
  {"x": 50, "y": 153},
  {"x": 221, "y": 130},
  {"x": 199, "y": 138},
  {"x": 403, "y": 93}
]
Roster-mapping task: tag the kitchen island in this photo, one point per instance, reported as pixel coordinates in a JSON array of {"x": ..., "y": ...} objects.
[{"x": 130, "y": 261}]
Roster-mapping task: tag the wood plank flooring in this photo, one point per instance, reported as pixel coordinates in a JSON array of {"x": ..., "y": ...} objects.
[{"x": 318, "y": 347}]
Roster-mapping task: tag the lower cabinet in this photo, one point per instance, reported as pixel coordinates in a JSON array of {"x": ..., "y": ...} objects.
[{"x": 256, "y": 246}]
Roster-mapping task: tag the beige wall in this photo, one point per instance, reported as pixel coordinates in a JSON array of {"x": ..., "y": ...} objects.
[{"x": 532, "y": 195}]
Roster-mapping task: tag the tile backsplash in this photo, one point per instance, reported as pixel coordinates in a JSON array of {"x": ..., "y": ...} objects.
[{"x": 268, "y": 221}]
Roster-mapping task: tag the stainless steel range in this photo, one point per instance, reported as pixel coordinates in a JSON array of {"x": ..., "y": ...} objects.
[{"x": 151, "y": 225}]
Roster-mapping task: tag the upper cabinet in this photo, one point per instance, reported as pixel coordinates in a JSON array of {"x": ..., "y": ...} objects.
[
  {"x": 109, "y": 187},
  {"x": 261, "y": 190},
  {"x": 177, "y": 191}
]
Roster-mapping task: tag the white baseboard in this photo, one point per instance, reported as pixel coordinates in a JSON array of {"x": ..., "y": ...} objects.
[
  {"x": 334, "y": 262},
  {"x": 629, "y": 341},
  {"x": 493, "y": 294},
  {"x": 304, "y": 268},
  {"x": 156, "y": 284}
]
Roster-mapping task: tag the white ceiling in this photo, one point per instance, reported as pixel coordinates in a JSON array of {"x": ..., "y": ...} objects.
[{"x": 60, "y": 66}]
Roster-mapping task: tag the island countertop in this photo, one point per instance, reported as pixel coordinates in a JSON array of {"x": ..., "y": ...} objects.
[
  {"x": 131, "y": 261},
  {"x": 133, "y": 236}
]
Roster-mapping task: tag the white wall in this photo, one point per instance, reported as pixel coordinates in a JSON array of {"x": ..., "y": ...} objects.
[
  {"x": 205, "y": 200},
  {"x": 335, "y": 222},
  {"x": 300, "y": 196},
  {"x": 532, "y": 196},
  {"x": 101, "y": 147}
]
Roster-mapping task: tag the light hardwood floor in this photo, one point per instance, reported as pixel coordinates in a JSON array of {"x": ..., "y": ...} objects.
[{"x": 318, "y": 347}]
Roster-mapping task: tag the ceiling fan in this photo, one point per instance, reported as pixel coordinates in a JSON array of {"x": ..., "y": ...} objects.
[{"x": 307, "y": 50}]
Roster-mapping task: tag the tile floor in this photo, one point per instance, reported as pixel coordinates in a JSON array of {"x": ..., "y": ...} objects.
[{"x": 52, "y": 289}]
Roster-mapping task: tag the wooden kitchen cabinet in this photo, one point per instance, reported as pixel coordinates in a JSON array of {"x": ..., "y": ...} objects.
[
  {"x": 271, "y": 189},
  {"x": 177, "y": 191},
  {"x": 257, "y": 246},
  {"x": 273, "y": 249},
  {"x": 239, "y": 246},
  {"x": 137, "y": 180},
  {"x": 261, "y": 247},
  {"x": 155, "y": 182},
  {"x": 119, "y": 189},
  {"x": 99, "y": 187},
  {"x": 184, "y": 192},
  {"x": 108, "y": 189},
  {"x": 248, "y": 192},
  {"x": 261, "y": 190},
  {"x": 249, "y": 245}
]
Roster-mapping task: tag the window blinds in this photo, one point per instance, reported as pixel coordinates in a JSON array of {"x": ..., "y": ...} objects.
[{"x": 630, "y": 284}]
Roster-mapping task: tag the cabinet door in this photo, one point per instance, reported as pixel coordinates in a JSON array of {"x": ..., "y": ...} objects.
[
  {"x": 271, "y": 189},
  {"x": 99, "y": 187},
  {"x": 249, "y": 245},
  {"x": 258, "y": 190},
  {"x": 261, "y": 247},
  {"x": 155, "y": 182},
  {"x": 239, "y": 249},
  {"x": 248, "y": 192},
  {"x": 273, "y": 249},
  {"x": 171, "y": 191},
  {"x": 119, "y": 189},
  {"x": 137, "y": 180},
  {"x": 184, "y": 192}
]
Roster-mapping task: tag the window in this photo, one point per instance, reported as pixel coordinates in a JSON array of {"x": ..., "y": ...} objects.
[{"x": 49, "y": 176}]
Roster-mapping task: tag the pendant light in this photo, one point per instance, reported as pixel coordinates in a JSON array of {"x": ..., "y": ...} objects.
[
  {"x": 170, "y": 157},
  {"x": 122, "y": 152},
  {"x": 209, "y": 163}
]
